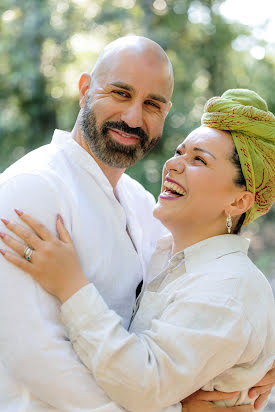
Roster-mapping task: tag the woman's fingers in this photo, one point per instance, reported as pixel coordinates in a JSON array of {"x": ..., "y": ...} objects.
[
  {"x": 30, "y": 238},
  {"x": 14, "y": 244},
  {"x": 62, "y": 231},
  {"x": 20, "y": 262},
  {"x": 36, "y": 226}
]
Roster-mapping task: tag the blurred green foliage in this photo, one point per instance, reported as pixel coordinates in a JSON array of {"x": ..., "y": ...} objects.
[{"x": 46, "y": 44}]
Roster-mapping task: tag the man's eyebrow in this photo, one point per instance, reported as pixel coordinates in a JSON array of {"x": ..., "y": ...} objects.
[
  {"x": 152, "y": 96},
  {"x": 124, "y": 86},
  {"x": 197, "y": 149},
  {"x": 158, "y": 97}
]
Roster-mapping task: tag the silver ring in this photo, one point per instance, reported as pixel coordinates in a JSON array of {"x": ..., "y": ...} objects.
[{"x": 28, "y": 253}]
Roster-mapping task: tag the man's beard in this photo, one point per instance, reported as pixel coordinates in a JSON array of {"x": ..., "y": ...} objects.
[{"x": 106, "y": 149}]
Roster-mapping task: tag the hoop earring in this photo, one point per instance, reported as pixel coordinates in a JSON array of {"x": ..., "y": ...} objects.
[{"x": 229, "y": 223}]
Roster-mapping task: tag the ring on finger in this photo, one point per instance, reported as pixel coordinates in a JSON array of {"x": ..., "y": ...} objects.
[{"x": 28, "y": 253}]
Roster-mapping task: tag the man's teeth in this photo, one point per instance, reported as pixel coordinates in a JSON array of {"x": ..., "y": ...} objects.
[
  {"x": 126, "y": 135},
  {"x": 174, "y": 187}
]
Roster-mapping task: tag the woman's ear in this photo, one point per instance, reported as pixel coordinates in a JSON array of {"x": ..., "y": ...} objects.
[
  {"x": 84, "y": 85},
  {"x": 243, "y": 202}
]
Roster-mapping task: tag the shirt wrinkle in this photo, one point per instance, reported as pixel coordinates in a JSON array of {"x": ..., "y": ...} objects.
[
  {"x": 62, "y": 177},
  {"x": 197, "y": 327}
]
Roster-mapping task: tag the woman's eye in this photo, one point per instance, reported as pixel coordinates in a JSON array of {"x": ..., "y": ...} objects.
[{"x": 200, "y": 160}]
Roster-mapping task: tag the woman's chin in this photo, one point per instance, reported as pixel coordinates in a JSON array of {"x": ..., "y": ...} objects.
[{"x": 163, "y": 214}]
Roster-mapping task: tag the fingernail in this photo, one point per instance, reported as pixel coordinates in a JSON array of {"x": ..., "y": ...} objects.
[
  {"x": 19, "y": 212},
  {"x": 3, "y": 252},
  {"x": 252, "y": 394},
  {"x": 60, "y": 218},
  {"x": 5, "y": 221},
  {"x": 2, "y": 235}
]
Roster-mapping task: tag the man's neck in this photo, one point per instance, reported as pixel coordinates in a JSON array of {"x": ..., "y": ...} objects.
[{"x": 113, "y": 174}]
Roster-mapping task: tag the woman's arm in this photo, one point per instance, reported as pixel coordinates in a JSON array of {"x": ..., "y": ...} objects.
[{"x": 152, "y": 361}]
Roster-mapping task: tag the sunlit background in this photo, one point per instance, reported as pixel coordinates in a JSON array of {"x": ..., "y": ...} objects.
[{"x": 213, "y": 45}]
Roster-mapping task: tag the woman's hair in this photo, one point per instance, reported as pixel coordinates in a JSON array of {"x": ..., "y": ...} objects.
[{"x": 239, "y": 180}]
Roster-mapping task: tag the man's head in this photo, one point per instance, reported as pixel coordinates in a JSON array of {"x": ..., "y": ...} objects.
[{"x": 125, "y": 100}]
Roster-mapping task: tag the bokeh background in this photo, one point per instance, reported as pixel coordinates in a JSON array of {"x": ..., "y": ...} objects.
[{"x": 213, "y": 45}]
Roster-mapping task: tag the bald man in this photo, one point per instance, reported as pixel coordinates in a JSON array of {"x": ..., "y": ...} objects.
[{"x": 80, "y": 175}]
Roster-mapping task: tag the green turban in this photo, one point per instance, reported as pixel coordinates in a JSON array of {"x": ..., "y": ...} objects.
[{"x": 245, "y": 114}]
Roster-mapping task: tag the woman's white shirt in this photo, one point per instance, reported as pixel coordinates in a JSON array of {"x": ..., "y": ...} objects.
[{"x": 206, "y": 321}]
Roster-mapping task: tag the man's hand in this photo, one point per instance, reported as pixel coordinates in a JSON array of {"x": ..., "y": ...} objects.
[
  {"x": 200, "y": 401},
  {"x": 263, "y": 388}
]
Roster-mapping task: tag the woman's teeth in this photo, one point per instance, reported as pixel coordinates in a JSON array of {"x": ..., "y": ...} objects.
[{"x": 174, "y": 188}]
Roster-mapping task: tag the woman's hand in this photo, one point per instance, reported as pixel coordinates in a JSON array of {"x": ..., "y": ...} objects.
[{"x": 54, "y": 262}]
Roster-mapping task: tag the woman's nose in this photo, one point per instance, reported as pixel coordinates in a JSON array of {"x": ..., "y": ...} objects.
[{"x": 176, "y": 163}]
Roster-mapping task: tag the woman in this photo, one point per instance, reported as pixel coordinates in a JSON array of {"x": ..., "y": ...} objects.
[{"x": 206, "y": 316}]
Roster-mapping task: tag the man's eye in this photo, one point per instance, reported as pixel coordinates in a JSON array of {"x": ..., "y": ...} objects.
[
  {"x": 149, "y": 103},
  {"x": 120, "y": 93},
  {"x": 200, "y": 159}
]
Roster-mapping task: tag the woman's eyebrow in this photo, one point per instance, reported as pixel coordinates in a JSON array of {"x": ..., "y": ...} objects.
[{"x": 198, "y": 149}]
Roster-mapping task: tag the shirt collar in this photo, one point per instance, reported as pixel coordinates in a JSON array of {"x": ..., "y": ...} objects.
[
  {"x": 204, "y": 251},
  {"x": 76, "y": 152}
]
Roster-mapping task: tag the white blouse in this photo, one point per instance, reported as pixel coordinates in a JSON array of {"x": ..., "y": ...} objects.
[{"x": 206, "y": 321}]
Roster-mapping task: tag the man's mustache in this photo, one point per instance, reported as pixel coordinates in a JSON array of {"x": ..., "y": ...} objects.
[{"x": 137, "y": 131}]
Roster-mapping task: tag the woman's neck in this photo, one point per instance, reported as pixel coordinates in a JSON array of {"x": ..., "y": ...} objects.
[{"x": 188, "y": 236}]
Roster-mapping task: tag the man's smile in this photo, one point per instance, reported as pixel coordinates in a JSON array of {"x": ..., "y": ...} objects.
[{"x": 123, "y": 137}]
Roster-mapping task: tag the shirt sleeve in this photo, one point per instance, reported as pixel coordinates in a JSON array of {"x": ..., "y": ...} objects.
[
  {"x": 34, "y": 347},
  {"x": 195, "y": 339}
]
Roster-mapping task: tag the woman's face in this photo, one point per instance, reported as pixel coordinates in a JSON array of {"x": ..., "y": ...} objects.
[{"x": 197, "y": 184}]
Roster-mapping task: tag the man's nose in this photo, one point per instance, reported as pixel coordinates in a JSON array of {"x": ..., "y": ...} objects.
[{"x": 133, "y": 115}]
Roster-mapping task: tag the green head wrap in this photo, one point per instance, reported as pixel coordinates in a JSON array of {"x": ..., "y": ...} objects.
[{"x": 245, "y": 114}]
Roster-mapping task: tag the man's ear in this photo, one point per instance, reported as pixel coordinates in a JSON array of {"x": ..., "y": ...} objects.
[
  {"x": 243, "y": 202},
  {"x": 84, "y": 85},
  {"x": 168, "y": 108}
]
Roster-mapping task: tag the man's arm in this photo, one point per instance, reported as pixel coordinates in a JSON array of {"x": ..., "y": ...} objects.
[
  {"x": 34, "y": 348},
  {"x": 201, "y": 401}
]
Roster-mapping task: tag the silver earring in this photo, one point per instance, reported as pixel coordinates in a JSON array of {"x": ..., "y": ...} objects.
[{"x": 229, "y": 223}]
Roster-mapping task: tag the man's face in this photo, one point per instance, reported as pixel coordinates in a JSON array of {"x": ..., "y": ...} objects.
[{"x": 124, "y": 113}]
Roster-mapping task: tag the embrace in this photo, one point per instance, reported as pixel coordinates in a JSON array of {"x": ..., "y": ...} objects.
[{"x": 110, "y": 302}]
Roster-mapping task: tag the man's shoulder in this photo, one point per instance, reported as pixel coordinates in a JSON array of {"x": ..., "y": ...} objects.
[
  {"x": 41, "y": 164},
  {"x": 135, "y": 189}
]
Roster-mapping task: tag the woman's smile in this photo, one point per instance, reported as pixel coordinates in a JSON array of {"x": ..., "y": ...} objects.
[{"x": 172, "y": 190}]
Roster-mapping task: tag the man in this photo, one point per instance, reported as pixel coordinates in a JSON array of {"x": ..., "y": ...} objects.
[{"x": 124, "y": 103}]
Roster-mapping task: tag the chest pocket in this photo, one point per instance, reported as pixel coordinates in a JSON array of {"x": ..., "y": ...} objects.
[{"x": 151, "y": 307}]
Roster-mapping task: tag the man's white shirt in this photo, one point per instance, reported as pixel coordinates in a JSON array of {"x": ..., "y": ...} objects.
[{"x": 39, "y": 371}]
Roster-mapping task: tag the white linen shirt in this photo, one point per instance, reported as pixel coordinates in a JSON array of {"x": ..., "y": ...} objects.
[
  {"x": 206, "y": 321},
  {"x": 39, "y": 371}
]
